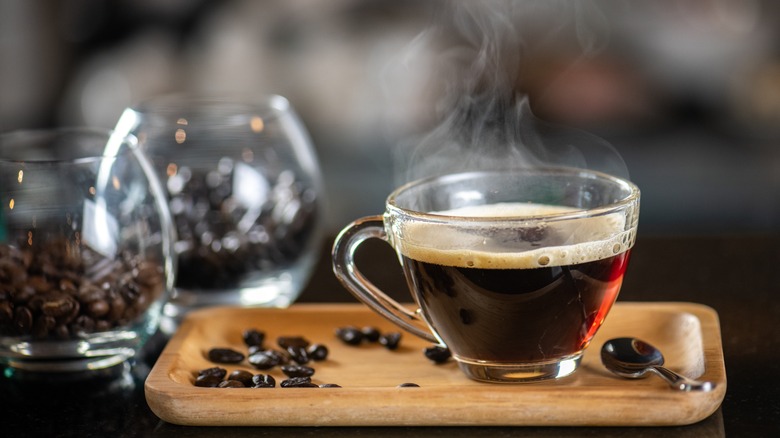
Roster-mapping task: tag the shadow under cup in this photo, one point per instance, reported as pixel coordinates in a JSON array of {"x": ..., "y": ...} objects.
[{"x": 513, "y": 271}]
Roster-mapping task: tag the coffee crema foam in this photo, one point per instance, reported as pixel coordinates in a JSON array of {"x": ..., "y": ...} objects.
[{"x": 565, "y": 243}]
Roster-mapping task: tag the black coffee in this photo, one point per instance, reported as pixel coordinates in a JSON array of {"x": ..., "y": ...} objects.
[{"x": 529, "y": 306}]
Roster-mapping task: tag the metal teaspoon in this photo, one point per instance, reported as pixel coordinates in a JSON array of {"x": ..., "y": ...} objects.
[{"x": 633, "y": 358}]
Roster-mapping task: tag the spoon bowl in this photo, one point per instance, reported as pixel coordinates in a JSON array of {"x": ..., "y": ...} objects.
[{"x": 633, "y": 358}]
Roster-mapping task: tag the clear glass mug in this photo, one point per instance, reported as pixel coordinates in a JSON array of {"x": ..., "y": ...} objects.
[
  {"x": 86, "y": 251},
  {"x": 513, "y": 271},
  {"x": 244, "y": 187}
]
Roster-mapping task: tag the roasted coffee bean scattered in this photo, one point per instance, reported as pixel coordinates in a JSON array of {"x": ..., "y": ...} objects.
[
  {"x": 222, "y": 239},
  {"x": 349, "y": 335},
  {"x": 292, "y": 341},
  {"x": 242, "y": 376},
  {"x": 437, "y": 353},
  {"x": 263, "y": 381},
  {"x": 298, "y": 351},
  {"x": 408, "y": 385},
  {"x": 390, "y": 340},
  {"x": 267, "y": 359},
  {"x": 60, "y": 289},
  {"x": 253, "y": 338},
  {"x": 371, "y": 334},
  {"x": 213, "y": 371},
  {"x": 298, "y": 354},
  {"x": 318, "y": 352},
  {"x": 225, "y": 355},
  {"x": 353, "y": 336},
  {"x": 297, "y": 371},
  {"x": 298, "y": 382},
  {"x": 330, "y": 385},
  {"x": 208, "y": 380}
]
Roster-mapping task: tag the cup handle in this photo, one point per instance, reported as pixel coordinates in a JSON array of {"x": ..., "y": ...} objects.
[{"x": 347, "y": 272}]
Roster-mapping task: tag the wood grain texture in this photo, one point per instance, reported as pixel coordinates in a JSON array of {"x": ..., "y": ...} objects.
[{"x": 687, "y": 333}]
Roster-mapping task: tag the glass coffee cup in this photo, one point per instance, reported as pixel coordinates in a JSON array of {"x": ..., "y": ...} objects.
[{"x": 514, "y": 271}]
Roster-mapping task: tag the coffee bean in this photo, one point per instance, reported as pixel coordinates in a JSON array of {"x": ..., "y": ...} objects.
[
  {"x": 83, "y": 324},
  {"x": 298, "y": 382},
  {"x": 318, "y": 352},
  {"x": 242, "y": 376},
  {"x": 408, "y": 385},
  {"x": 253, "y": 338},
  {"x": 371, "y": 334},
  {"x": 213, "y": 371},
  {"x": 148, "y": 274},
  {"x": 208, "y": 381},
  {"x": 225, "y": 355},
  {"x": 292, "y": 341},
  {"x": 97, "y": 308},
  {"x": 255, "y": 349},
  {"x": 102, "y": 325},
  {"x": 267, "y": 359},
  {"x": 67, "y": 286},
  {"x": 298, "y": 354},
  {"x": 263, "y": 381},
  {"x": 390, "y": 340},
  {"x": 349, "y": 335},
  {"x": 22, "y": 320},
  {"x": 297, "y": 371},
  {"x": 437, "y": 353},
  {"x": 231, "y": 384},
  {"x": 58, "y": 305},
  {"x": 89, "y": 292}
]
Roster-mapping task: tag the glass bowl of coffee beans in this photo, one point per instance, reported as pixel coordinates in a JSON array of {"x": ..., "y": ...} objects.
[
  {"x": 86, "y": 251},
  {"x": 244, "y": 188}
]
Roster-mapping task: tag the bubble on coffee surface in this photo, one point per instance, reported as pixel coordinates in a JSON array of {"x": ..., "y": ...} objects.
[{"x": 564, "y": 242}]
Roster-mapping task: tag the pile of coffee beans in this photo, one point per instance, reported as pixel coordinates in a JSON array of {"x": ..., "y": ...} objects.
[
  {"x": 223, "y": 236},
  {"x": 62, "y": 289},
  {"x": 292, "y": 356}
]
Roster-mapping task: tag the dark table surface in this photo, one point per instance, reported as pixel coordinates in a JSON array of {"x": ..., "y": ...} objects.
[{"x": 735, "y": 275}]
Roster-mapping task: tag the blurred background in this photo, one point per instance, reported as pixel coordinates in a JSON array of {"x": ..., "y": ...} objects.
[{"x": 686, "y": 91}]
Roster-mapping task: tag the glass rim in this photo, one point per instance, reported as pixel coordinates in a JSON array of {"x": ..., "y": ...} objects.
[
  {"x": 631, "y": 198},
  {"x": 197, "y": 101},
  {"x": 17, "y": 138}
]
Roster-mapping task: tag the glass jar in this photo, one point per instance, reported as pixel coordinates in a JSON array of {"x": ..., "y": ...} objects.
[
  {"x": 86, "y": 250},
  {"x": 244, "y": 187}
]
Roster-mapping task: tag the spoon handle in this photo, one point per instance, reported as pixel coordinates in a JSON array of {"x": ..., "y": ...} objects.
[{"x": 680, "y": 382}]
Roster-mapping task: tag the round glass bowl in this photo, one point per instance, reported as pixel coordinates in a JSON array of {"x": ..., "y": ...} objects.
[
  {"x": 86, "y": 259},
  {"x": 245, "y": 192}
]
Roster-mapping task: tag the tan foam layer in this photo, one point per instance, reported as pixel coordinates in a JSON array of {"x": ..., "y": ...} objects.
[{"x": 576, "y": 241}]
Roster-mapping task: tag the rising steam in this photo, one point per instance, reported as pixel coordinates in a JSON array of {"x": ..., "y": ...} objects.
[{"x": 476, "y": 55}]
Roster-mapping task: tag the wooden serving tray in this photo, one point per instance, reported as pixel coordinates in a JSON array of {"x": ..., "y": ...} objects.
[{"x": 688, "y": 334}]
